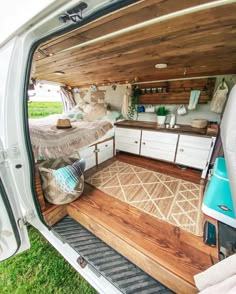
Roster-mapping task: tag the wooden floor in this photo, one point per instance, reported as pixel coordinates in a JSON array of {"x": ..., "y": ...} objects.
[
  {"x": 167, "y": 168},
  {"x": 167, "y": 253},
  {"x": 164, "y": 251}
]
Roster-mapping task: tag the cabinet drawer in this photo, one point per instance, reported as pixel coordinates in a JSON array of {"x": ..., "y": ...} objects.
[
  {"x": 105, "y": 145},
  {"x": 159, "y": 137},
  {"x": 158, "y": 145},
  {"x": 131, "y": 148},
  {"x": 127, "y": 140},
  {"x": 131, "y": 133},
  {"x": 192, "y": 157},
  {"x": 158, "y": 153},
  {"x": 195, "y": 142},
  {"x": 87, "y": 152},
  {"x": 105, "y": 155}
]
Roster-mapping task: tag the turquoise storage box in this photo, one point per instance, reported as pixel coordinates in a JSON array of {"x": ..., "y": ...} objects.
[{"x": 217, "y": 200}]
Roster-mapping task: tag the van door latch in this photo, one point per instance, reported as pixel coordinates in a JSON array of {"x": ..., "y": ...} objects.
[
  {"x": 10, "y": 153},
  {"x": 75, "y": 14},
  {"x": 26, "y": 219}
]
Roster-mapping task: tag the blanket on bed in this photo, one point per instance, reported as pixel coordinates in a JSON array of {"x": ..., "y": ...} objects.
[{"x": 49, "y": 142}]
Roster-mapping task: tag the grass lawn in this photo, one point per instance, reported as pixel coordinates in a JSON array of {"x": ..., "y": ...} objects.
[
  {"x": 40, "y": 270},
  {"x": 41, "y": 109}
]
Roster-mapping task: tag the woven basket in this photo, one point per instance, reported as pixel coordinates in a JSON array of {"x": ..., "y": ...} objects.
[
  {"x": 52, "y": 191},
  {"x": 199, "y": 123}
]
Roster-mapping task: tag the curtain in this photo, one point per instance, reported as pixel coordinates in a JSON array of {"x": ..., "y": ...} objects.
[{"x": 67, "y": 99}]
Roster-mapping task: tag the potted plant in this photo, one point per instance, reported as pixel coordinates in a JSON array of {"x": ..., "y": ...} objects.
[
  {"x": 134, "y": 101},
  {"x": 161, "y": 113}
]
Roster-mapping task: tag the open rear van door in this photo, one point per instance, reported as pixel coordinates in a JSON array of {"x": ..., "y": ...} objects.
[
  {"x": 12, "y": 238},
  {"x": 13, "y": 232}
]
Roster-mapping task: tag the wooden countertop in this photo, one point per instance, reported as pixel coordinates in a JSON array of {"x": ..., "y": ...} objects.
[{"x": 183, "y": 129}]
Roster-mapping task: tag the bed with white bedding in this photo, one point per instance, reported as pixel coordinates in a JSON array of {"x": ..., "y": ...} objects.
[{"x": 49, "y": 142}]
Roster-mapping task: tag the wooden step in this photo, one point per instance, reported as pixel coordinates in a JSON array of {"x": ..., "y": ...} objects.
[{"x": 167, "y": 253}]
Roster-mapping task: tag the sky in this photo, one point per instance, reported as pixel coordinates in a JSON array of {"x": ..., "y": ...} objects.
[{"x": 44, "y": 92}]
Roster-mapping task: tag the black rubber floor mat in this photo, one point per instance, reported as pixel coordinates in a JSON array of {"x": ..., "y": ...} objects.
[{"x": 119, "y": 271}]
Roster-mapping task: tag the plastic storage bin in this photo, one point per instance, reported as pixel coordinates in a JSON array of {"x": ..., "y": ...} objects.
[{"x": 217, "y": 201}]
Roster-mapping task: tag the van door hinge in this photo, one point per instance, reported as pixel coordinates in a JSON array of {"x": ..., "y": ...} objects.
[
  {"x": 10, "y": 153},
  {"x": 26, "y": 219}
]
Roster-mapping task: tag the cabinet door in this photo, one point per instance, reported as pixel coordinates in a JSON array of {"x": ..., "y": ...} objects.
[
  {"x": 193, "y": 151},
  {"x": 105, "y": 150},
  {"x": 159, "y": 145},
  {"x": 88, "y": 154},
  {"x": 127, "y": 140}
]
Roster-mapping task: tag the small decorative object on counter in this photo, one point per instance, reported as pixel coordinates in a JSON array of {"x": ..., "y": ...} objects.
[
  {"x": 212, "y": 129},
  {"x": 150, "y": 108},
  {"x": 161, "y": 113},
  {"x": 199, "y": 123},
  {"x": 141, "y": 108},
  {"x": 172, "y": 120},
  {"x": 181, "y": 110}
]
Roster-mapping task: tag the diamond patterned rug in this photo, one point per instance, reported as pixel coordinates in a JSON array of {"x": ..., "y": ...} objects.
[{"x": 167, "y": 198}]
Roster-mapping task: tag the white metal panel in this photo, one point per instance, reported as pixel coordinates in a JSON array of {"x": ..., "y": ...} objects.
[
  {"x": 158, "y": 153},
  {"x": 125, "y": 132},
  {"x": 8, "y": 239},
  {"x": 195, "y": 142},
  {"x": 192, "y": 157},
  {"x": 160, "y": 137},
  {"x": 10, "y": 157}
]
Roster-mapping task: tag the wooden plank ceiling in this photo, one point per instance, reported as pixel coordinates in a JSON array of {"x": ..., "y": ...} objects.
[{"x": 198, "y": 44}]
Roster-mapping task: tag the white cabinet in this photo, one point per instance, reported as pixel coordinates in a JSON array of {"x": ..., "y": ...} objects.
[
  {"x": 159, "y": 145},
  {"x": 127, "y": 140},
  {"x": 105, "y": 150},
  {"x": 194, "y": 151},
  {"x": 89, "y": 155},
  {"x": 97, "y": 153}
]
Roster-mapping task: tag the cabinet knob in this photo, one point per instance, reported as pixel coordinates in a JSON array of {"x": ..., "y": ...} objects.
[
  {"x": 181, "y": 150},
  {"x": 136, "y": 142},
  {"x": 106, "y": 145},
  {"x": 144, "y": 143}
]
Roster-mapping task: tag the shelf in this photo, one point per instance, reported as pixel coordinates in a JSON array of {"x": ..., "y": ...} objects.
[
  {"x": 171, "y": 98},
  {"x": 178, "y": 92}
]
